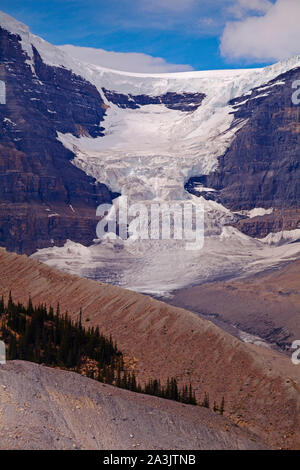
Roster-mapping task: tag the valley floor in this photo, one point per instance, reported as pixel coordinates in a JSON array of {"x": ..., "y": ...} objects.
[{"x": 262, "y": 309}]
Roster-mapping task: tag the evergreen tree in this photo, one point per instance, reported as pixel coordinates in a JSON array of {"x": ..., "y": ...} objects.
[
  {"x": 205, "y": 402},
  {"x": 37, "y": 334},
  {"x": 2, "y": 305},
  {"x": 222, "y": 407}
]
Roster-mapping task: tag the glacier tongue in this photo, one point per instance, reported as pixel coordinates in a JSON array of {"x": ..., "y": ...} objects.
[
  {"x": 159, "y": 269},
  {"x": 148, "y": 154}
]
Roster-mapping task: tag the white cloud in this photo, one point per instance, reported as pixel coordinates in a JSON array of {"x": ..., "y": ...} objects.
[
  {"x": 242, "y": 7},
  {"x": 273, "y": 36},
  {"x": 125, "y": 61}
]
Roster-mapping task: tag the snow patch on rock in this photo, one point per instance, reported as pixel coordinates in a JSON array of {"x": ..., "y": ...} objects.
[{"x": 285, "y": 236}]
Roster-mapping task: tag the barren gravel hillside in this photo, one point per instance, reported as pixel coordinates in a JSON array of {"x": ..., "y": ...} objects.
[
  {"x": 261, "y": 387},
  {"x": 43, "y": 408}
]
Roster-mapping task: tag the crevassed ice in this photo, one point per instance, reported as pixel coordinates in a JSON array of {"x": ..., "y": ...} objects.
[{"x": 148, "y": 154}]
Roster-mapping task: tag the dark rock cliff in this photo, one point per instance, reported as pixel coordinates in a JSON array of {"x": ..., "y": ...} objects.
[
  {"x": 185, "y": 102},
  {"x": 262, "y": 166},
  {"x": 44, "y": 198},
  {"x": 261, "y": 226}
]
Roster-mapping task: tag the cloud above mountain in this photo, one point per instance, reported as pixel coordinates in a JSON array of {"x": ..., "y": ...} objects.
[
  {"x": 274, "y": 34},
  {"x": 241, "y": 7},
  {"x": 154, "y": 35},
  {"x": 125, "y": 61}
]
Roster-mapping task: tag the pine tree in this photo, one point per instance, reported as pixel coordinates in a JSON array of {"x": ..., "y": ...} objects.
[
  {"x": 10, "y": 305},
  {"x": 37, "y": 334},
  {"x": 80, "y": 319},
  {"x": 205, "y": 402},
  {"x": 2, "y": 306},
  {"x": 30, "y": 309},
  {"x": 12, "y": 348},
  {"x": 222, "y": 407}
]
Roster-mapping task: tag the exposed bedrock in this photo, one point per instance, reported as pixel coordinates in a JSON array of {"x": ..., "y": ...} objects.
[
  {"x": 44, "y": 198},
  {"x": 185, "y": 102},
  {"x": 261, "y": 168},
  {"x": 278, "y": 221}
]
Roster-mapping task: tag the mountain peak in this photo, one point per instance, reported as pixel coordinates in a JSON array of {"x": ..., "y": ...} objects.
[{"x": 12, "y": 25}]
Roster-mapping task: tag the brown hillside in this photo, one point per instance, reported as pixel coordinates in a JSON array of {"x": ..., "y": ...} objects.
[{"x": 261, "y": 387}]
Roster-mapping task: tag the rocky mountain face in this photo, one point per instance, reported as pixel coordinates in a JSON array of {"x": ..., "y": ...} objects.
[
  {"x": 260, "y": 226},
  {"x": 261, "y": 168},
  {"x": 185, "y": 102},
  {"x": 44, "y": 198}
]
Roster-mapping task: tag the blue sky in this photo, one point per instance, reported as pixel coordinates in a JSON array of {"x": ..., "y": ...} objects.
[{"x": 201, "y": 34}]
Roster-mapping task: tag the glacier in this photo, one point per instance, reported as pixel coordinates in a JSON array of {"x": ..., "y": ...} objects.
[{"x": 148, "y": 154}]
